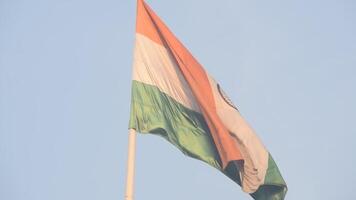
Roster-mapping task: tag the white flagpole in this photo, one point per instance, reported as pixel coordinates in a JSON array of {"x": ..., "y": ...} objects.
[{"x": 130, "y": 165}]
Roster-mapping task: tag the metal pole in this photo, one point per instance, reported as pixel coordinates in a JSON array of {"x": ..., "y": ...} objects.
[{"x": 130, "y": 165}]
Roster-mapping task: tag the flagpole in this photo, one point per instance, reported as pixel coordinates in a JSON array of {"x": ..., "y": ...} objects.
[{"x": 130, "y": 165}]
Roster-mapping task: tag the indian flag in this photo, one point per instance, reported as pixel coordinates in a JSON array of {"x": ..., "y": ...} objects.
[{"x": 174, "y": 97}]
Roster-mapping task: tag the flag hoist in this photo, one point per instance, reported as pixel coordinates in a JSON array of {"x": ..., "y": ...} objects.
[{"x": 174, "y": 97}]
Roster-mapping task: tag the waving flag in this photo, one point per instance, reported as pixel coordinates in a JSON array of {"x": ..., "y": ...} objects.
[{"x": 174, "y": 97}]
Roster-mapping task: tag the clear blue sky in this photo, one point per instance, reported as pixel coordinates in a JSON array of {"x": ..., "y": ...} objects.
[{"x": 65, "y": 75}]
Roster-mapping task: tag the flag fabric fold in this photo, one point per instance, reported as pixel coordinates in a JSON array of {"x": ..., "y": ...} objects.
[{"x": 174, "y": 97}]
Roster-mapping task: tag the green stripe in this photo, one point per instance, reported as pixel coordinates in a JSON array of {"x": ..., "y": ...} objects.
[
  {"x": 152, "y": 111},
  {"x": 155, "y": 112},
  {"x": 274, "y": 187}
]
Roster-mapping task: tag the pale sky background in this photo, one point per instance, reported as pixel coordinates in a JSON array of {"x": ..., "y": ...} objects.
[{"x": 65, "y": 75}]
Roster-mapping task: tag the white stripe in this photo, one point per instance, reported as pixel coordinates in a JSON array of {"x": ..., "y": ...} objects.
[
  {"x": 154, "y": 65},
  {"x": 253, "y": 151}
]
